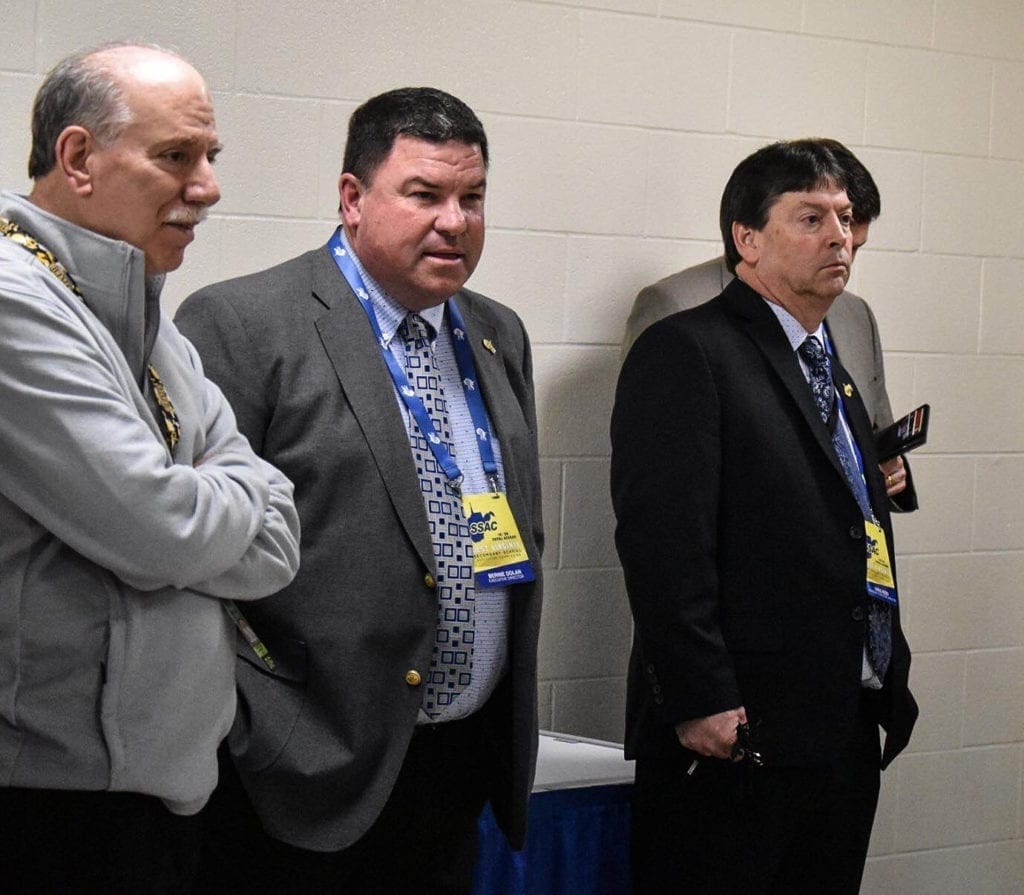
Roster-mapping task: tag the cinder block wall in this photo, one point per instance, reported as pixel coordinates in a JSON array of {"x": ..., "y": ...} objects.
[{"x": 614, "y": 125}]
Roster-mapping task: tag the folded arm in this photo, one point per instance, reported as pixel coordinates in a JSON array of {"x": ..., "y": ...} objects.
[{"x": 83, "y": 459}]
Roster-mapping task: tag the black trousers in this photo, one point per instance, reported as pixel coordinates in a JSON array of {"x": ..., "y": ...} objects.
[
  {"x": 67, "y": 842},
  {"x": 425, "y": 839},
  {"x": 734, "y": 828}
]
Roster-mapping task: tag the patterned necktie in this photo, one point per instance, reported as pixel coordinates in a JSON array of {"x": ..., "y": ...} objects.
[
  {"x": 451, "y": 662},
  {"x": 879, "y": 621}
]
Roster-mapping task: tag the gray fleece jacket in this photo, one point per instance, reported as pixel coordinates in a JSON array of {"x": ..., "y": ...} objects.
[{"x": 116, "y": 658}]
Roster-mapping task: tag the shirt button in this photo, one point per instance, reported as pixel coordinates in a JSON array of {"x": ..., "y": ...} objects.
[
  {"x": 412, "y": 677},
  {"x": 856, "y": 532},
  {"x": 858, "y": 614},
  {"x": 429, "y": 581}
]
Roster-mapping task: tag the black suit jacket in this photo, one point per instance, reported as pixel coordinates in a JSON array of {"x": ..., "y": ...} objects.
[
  {"x": 320, "y": 742},
  {"x": 742, "y": 544}
]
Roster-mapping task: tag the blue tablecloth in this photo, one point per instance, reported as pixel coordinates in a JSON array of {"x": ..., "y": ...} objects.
[{"x": 578, "y": 844}]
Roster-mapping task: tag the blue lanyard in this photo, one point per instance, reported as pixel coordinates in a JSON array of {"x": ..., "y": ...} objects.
[
  {"x": 846, "y": 424},
  {"x": 467, "y": 372}
]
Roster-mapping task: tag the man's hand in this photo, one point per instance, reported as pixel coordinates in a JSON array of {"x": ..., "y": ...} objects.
[
  {"x": 895, "y": 475},
  {"x": 712, "y": 736}
]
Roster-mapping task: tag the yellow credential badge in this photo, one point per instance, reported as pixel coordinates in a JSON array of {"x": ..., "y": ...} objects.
[
  {"x": 881, "y": 583},
  {"x": 499, "y": 555}
]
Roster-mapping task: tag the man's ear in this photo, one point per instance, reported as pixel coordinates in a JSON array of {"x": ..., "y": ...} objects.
[
  {"x": 74, "y": 147},
  {"x": 351, "y": 192},
  {"x": 747, "y": 240}
]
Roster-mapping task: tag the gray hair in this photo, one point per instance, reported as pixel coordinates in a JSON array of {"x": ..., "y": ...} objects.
[{"x": 82, "y": 89}]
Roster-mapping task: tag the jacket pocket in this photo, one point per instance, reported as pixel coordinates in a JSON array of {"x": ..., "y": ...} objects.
[{"x": 270, "y": 702}]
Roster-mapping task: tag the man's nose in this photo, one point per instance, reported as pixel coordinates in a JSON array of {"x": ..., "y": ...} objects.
[
  {"x": 838, "y": 231},
  {"x": 451, "y": 218},
  {"x": 202, "y": 188}
]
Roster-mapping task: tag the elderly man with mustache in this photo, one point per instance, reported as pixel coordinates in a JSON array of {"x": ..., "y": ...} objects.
[{"x": 130, "y": 506}]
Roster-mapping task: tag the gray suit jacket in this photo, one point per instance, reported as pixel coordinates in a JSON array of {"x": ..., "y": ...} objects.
[
  {"x": 319, "y": 742},
  {"x": 851, "y": 325}
]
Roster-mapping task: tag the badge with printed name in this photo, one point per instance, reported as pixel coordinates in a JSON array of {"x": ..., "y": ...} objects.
[
  {"x": 881, "y": 584},
  {"x": 499, "y": 555}
]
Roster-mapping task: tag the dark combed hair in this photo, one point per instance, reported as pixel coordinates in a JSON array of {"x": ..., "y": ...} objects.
[
  {"x": 860, "y": 185},
  {"x": 422, "y": 112},
  {"x": 81, "y": 89},
  {"x": 759, "y": 180}
]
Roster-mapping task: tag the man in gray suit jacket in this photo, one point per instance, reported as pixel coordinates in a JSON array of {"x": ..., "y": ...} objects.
[
  {"x": 850, "y": 322},
  {"x": 403, "y": 695}
]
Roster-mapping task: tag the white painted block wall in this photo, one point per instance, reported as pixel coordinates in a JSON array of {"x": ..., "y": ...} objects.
[{"x": 614, "y": 125}]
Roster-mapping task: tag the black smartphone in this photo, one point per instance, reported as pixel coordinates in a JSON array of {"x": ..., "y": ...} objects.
[{"x": 904, "y": 435}]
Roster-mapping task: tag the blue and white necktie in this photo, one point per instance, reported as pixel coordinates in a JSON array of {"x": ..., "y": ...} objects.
[
  {"x": 879, "y": 617},
  {"x": 451, "y": 662}
]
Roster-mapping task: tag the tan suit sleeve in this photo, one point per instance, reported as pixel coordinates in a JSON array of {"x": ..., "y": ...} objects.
[{"x": 678, "y": 292}]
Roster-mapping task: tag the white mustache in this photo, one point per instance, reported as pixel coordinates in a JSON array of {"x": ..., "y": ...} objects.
[{"x": 187, "y": 216}]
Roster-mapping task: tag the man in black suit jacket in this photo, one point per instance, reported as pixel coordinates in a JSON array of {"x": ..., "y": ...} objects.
[
  {"x": 850, "y": 322},
  {"x": 755, "y": 688},
  {"x": 361, "y": 777}
]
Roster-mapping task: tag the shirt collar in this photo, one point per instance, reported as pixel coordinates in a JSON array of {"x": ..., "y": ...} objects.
[
  {"x": 793, "y": 328},
  {"x": 390, "y": 313}
]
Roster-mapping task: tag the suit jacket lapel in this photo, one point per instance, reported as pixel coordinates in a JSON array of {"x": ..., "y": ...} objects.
[
  {"x": 502, "y": 407},
  {"x": 860, "y": 427},
  {"x": 851, "y": 339},
  {"x": 764, "y": 330},
  {"x": 363, "y": 377}
]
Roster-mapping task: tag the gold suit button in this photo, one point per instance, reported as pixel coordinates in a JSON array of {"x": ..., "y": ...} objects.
[
  {"x": 429, "y": 581},
  {"x": 412, "y": 677}
]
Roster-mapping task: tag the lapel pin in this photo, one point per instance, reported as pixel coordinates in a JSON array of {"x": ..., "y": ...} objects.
[
  {"x": 848, "y": 390},
  {"x": 489, "y": 345}
]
